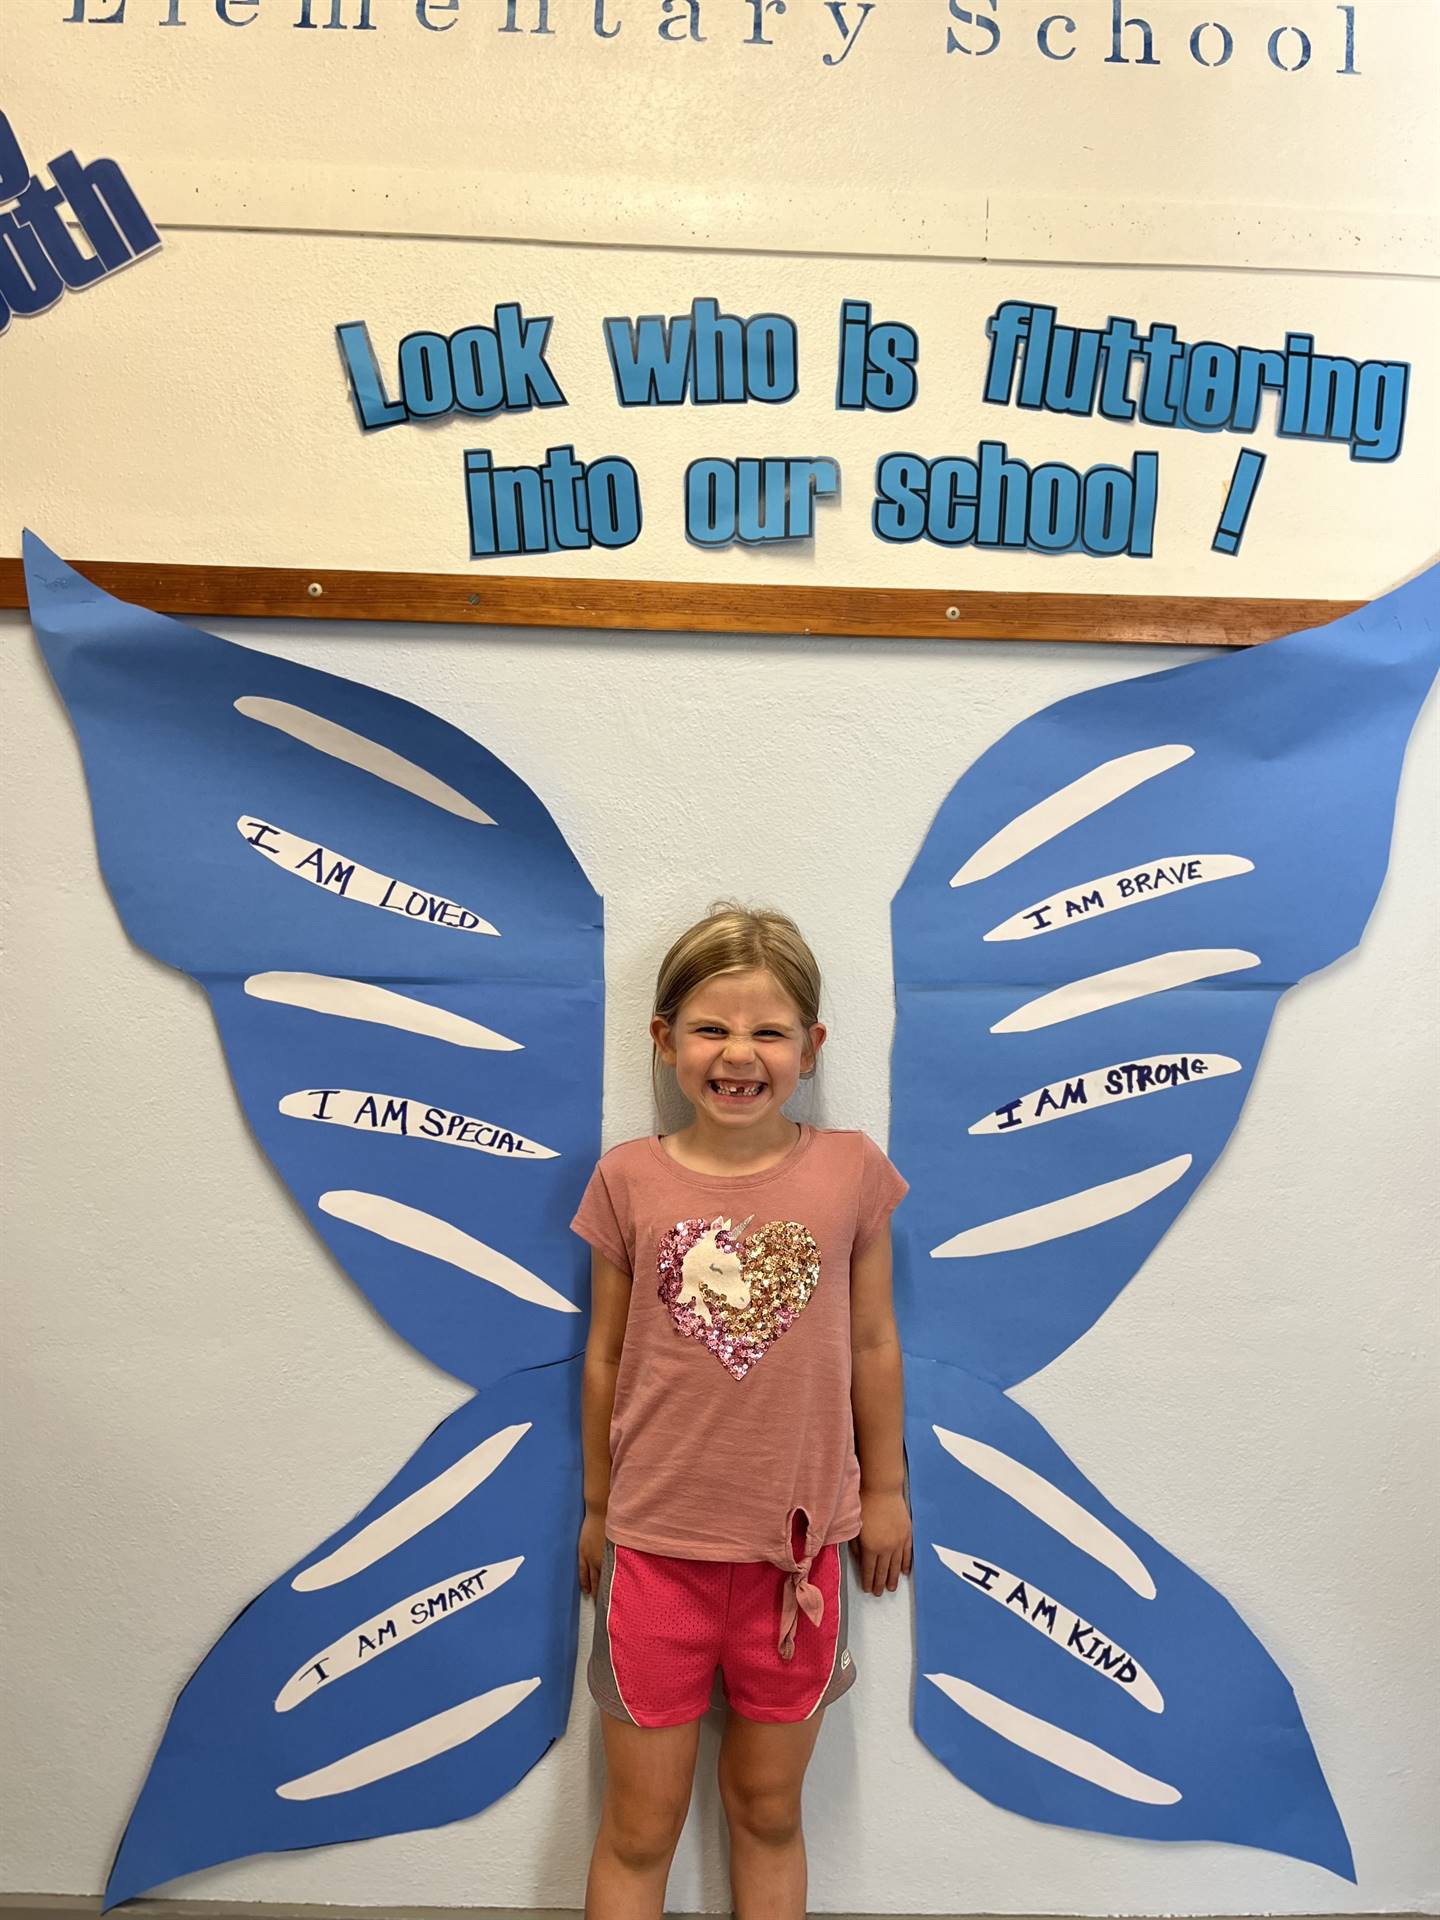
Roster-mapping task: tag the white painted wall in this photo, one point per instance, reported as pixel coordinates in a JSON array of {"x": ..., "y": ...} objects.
[{"x": 194, "y": 1394}]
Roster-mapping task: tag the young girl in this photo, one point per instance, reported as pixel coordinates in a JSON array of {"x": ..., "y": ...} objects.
[{"x": 742, "y": 1354}]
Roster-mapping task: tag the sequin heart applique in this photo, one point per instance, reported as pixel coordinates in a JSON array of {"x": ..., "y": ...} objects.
[{"x": 737, "y": 1294}]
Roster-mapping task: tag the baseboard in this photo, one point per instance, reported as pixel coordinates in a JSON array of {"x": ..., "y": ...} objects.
[
  {"x": 59, "y": 1906},
  {"x": 62, "y": 1906}
]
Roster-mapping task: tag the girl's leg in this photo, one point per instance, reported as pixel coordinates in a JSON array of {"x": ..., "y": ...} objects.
[
  {"x": 762, "y": 1770},
  {"x": 649, "y": 1773}
]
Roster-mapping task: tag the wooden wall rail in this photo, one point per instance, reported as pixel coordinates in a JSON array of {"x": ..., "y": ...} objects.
[{"x": 671, "y": 606}]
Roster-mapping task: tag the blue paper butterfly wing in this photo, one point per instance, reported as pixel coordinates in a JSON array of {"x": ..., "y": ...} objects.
[
  {"x": 431, "y": 1094},
  {"x": 1282, "y": 763},
  {"x": 1240, "y": 844},
  {"x": 1069, "y": 1668},
  {"x": 406, "y": 1674},
  {"x": 225, "y": 833}
]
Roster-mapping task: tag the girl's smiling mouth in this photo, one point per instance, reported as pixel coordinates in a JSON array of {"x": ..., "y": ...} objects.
[{"x": 736, "y": 1089}]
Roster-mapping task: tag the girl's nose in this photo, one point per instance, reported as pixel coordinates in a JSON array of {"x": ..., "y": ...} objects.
[{"x": 737, "y": 1049}]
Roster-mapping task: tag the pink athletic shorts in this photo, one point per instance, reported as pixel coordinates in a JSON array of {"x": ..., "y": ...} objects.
[{"x": 664, "y": 1625}]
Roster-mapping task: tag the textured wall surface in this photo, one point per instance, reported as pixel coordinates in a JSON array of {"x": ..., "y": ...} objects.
[{"x": 194, "y": 1395}]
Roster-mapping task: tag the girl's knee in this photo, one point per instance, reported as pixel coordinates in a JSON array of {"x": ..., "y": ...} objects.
[
  {"x": 766, "y": 1814},
  {"x": 642, "y": 1833}
]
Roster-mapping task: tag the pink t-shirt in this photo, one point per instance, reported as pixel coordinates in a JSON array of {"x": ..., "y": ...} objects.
[{"x": 732, "y": 1400}]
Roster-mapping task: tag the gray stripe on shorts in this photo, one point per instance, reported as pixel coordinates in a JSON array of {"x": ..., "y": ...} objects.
[
  {"x": 600, "y": 1673},
  {"x": 842, "y": 1673}
]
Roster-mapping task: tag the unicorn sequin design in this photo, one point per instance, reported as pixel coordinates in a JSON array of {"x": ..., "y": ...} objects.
[
  {"x": 737, "y": 1296},
  {"x": 714, "y": 1264}
]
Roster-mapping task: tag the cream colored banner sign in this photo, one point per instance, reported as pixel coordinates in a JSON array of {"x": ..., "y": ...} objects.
[
  {"x": 1234, "y": 132},
  {"x": 434, "y": 405},
  {"x": 1142, "y": 375},
  {"x": 910, "y": 293}
]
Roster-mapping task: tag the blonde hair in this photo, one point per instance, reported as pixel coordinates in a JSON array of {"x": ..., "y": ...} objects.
[{"x": 736, "y": 939}]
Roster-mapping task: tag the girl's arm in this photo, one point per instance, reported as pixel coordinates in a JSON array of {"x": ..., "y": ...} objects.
[
  {"x": 609, "y": 1305},
  {"x": 877, "y": 1402}
]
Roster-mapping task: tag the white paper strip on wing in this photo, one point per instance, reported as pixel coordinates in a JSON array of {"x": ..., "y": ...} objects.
[
  {"x": 411, "y": 1745},
  {"x": 346, "y": 879},
  {"x": 403, "y": 1117},
  {"x": 365, "y": 1643},
  {"x": 1061, "y": 1625},
  {"x": 380, "y": 1006},
  {"x": 1065, "y": 808},
  {"x": 1116, "y": 985},
  {"x": 1071, "y": 1213},
  {"x": 1051, "y": 1505},
  {"x": 413, "y": 1514},
  {"x": 1106, "y": 1087},
  {"x": 1112, "y": 892},
  {"x": 1055, "y": 1744},
  {"x": 328, "y": 736},
  {"x": 427, "y": 1233}
]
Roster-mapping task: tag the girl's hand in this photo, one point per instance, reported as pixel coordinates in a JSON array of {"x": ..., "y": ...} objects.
[
  {"x": 884, "y": 1547},
  {"x": 592, "y": 1551}
]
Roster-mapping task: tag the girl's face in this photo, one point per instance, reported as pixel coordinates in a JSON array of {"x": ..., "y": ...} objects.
[{"x": 738, "y": 1045}]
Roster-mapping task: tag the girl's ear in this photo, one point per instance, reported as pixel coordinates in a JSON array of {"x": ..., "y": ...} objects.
[
  {"x": 660, "y": 1034},
  {"x": 814, "y": 1040}
]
